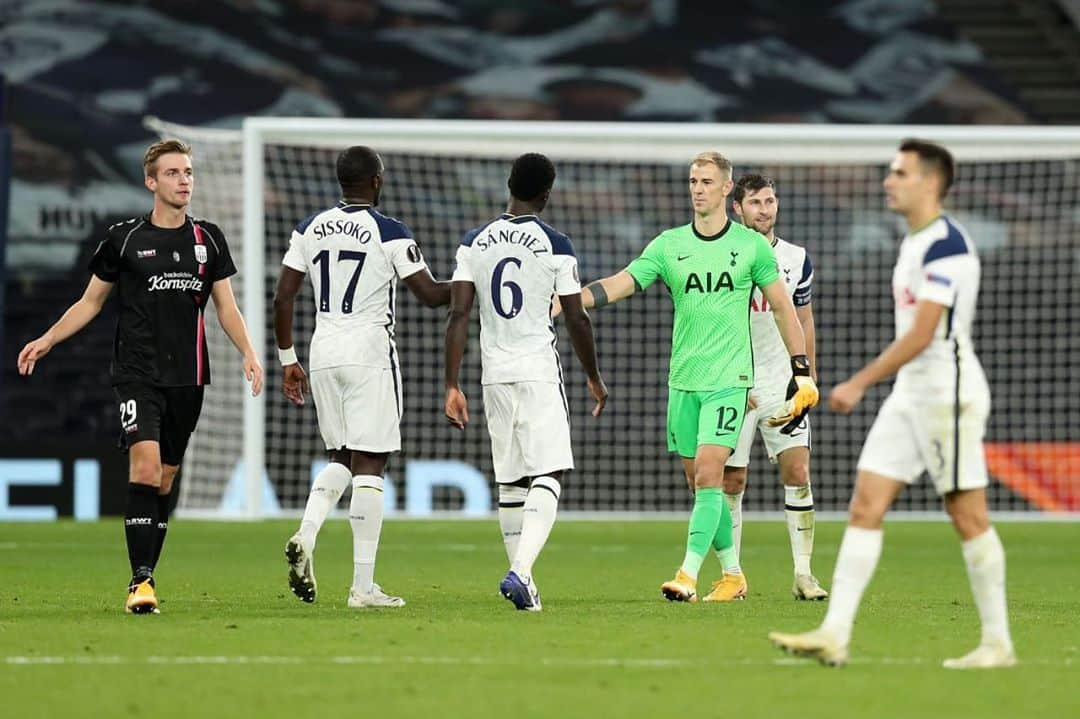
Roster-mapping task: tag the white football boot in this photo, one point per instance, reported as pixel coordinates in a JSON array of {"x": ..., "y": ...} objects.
[
  {"x": 985, "y": 656},
  {"x": 376, "y": 598},
  {"x": 817, "y": 644},
  {"x": 301, "y": 569}
]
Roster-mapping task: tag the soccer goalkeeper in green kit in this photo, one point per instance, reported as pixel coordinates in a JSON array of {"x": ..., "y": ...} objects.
[{"x": 711, "y": 267}]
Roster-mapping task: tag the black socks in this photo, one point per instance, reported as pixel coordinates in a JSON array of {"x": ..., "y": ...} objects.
[{"x": 140, "y": 526}]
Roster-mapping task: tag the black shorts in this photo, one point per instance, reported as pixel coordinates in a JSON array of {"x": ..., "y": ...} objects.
[{"x": 167, "y": 415}]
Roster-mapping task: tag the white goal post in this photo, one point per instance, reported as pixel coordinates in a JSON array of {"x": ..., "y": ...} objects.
[{"x": 619, "y": 184}]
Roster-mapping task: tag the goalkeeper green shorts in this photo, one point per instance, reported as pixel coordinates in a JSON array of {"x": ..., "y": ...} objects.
[{"x": 696, "y": 418}]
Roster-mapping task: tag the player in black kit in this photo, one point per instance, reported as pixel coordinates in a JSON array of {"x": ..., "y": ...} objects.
[{"x": 167, "y": 265}]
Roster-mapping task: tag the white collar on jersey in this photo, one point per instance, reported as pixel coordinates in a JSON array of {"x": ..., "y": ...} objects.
[{"x": 343, "y": 203}]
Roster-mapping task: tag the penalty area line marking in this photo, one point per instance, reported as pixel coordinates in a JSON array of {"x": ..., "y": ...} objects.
[{"x": 599, "y": 662}]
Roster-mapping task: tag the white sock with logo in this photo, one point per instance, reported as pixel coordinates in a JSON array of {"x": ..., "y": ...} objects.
[
  {"x": 538, "y": 517},
  {"x": 325, "y": 492},
  {"x": 365, "y": 518},
  {"x": 799, "y": 510},
  {"x": 511, "y": 510}
]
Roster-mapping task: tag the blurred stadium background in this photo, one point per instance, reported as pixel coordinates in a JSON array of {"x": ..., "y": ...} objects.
[{"x": 81, "y": 77}]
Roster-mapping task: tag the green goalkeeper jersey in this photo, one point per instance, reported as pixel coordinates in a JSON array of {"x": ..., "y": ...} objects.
[{"x": 711, "y": 281}]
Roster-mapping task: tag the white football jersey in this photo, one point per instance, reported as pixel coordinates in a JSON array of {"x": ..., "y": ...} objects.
[
  {"x": 772, "y": 361},
  {"x": 516, "y": 264},
  {"x": 938, "y": 263},
  {"x": 354, "y": 256}
]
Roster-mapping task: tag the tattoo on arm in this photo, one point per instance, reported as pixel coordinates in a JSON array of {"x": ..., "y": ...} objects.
[{"x": 599, "y": 294}]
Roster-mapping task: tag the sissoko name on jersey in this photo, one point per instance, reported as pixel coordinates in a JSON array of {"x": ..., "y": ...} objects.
[
  {"x": 164, "y": 278},
  {"x": 354, "y": 256}
]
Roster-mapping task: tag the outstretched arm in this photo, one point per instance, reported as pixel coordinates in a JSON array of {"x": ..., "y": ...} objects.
[
  {"x": 427, "y": 289},
  {"x": 609, "y": 290},
  {"x": 596, "y": 294},
  {"x": 581, "y": 336},
  {"x": 462, "y": 295},
  {"x": 233, "y": 323},
  {"x": 74, "y": 319},
  {"x": 846, "y": 395},
  {"x": 294, "y": 382}
]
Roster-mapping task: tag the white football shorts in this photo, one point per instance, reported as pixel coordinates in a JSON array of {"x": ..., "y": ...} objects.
[
  {"x": 912, "y": 435},
  {"x": 530, "y": 429},
  {"x": 757, "y": 420},
  {"x": 358, "y": 407}
]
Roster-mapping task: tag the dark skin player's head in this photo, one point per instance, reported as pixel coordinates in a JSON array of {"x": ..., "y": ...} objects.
[
  {"x": 531, "y": 179},
  {"x": 360, "y": 174}
]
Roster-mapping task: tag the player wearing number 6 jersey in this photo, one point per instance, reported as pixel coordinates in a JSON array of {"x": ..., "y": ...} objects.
[
  {"x": 711, "y": 267},
  {"x": 933, "y": 421},
  {"x": 354, "y": 255},
  {"x": 511, "y": 268}
]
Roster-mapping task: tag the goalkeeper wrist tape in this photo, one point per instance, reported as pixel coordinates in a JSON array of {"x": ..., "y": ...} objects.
[
  {"x": 287, "y": 356},
  {"x": 800, "y": 366}
]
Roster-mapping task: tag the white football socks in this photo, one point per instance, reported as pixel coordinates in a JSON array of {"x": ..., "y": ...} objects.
[
  {"x": 511, "y": 510},
  {"x": 855, "y": 564},
  {"x": 799, "y": 510},
  {"x": 985, "y": 560},
  {"x": 734, "y": 503},
  {"x": 325, "y": 492},
  {"x": 538, "y": 517},
  {"x": 365, "y": 518}
]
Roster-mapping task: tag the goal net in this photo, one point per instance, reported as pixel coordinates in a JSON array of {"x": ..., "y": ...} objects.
[{"x": 618, "y": 185}]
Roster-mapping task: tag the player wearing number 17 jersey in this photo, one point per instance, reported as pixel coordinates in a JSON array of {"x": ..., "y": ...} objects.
[
  {"x": 354, "y": 255},
  {"x": 512, "y": 267}
]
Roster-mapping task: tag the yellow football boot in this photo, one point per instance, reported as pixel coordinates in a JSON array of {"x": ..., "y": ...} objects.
[
  {"x": 142, "y": 599},
  {"x": 683, "y": 588},
  {"x": 728, "y": 589}
]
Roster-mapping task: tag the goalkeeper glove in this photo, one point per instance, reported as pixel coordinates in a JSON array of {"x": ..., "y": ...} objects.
[{"x": 802, "y": 394}]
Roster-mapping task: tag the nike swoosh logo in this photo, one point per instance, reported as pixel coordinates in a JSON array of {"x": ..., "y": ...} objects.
[
  {"x": 680, "y": 258},
  {"x": 802, "y": 529}
]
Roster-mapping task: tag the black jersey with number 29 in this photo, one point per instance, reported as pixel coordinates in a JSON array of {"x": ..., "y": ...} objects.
[{"x": 164, "y": 277}]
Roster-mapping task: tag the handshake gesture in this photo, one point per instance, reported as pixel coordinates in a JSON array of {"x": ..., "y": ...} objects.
[{"x": 802, "y": 395}]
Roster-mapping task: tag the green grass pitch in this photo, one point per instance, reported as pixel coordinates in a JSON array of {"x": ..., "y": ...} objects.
[{"x": 232, "y": 641}]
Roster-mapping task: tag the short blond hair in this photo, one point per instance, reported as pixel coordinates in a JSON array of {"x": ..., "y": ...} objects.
[
  {"x": 715, "y": 158},
  {"x": 162, "y": 147}
]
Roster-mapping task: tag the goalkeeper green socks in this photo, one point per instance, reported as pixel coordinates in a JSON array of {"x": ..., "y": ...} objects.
[
  {"x": 709, "y": 510},
  {"x": 727, "y": 551}
]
